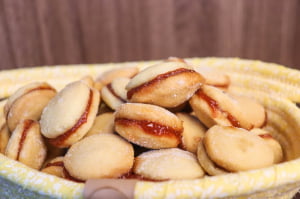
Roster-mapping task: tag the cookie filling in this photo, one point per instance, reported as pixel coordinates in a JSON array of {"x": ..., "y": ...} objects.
[
  {"x": 32, "y": 90},
  {"x": 55, "y": 164},
  {"x": 82, "y": 120},
  {"x": 27, "y": 125},
  {"x": 214, "y": 106},
  {"x": 112, "y": 91},
  {"x": 150, "y": 127},
  {"x": 157, "y": 79}
]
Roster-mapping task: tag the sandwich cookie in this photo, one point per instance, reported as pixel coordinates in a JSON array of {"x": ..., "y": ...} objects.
[
  {"x": 215, "y": 106},
  {"x": 193, "y": 132},
  {"x": 26, "y": 144},
  {"x": 236, "y": 149},
  {"x": 148, "y": 125},
  {"x": 114, "y": 94},
  {"x": 27, "y": 102},
  {"x": 55, "y": 167},
  {"x": 168, "y": 164},
  {"x": 168, "y": 84},
  {"x": 108, "y": 76},
  {"x": 70, "y": 114},
  {"x": 99, "y": 156}
]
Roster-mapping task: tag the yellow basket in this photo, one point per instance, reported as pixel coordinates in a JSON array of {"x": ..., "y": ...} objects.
[{"x": 275, "y": 86}]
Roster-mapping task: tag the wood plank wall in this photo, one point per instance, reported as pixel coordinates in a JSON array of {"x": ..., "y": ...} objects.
[{"x": 49, "y": 32}]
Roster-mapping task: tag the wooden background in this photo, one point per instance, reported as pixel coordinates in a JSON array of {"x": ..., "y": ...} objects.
[{"x": 49, "y": 32}]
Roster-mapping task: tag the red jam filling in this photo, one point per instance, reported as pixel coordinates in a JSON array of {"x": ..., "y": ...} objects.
[
  {"x": 55, "y": 164},
  {"x": 150, "y": 127},
  {"x": 214, "y": 106},
  {"x": 109, "y": 87},
  {"x": 27, "y": 125}
]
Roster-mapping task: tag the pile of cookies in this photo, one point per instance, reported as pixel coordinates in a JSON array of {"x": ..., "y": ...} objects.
[{"x": 171, "y": 120}]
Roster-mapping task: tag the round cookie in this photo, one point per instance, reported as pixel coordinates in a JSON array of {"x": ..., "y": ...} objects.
[
  {"x": 104, "y": 123},
  {"x": 273, "y": 143},
  {"x": 207, "y": 164},
  {"x": 26, "y": 144},
  {"x": 148, "y": 125},
  {"x": 168, "y": 164},
  {"x": 215, "y": 106},
  {"x": 27, "y": 102},
  {"x": 55, "y": 167},
  {"x": 166, "y": 84},
  {"x": 193, "y": 132},
  {"x": 114, "y": 94},
  {"x": 70, "y": 114},
  {"x": 99, "y": 156},
  {"x": 108, "y": 76},
  {"x": 236, "y": 149}
]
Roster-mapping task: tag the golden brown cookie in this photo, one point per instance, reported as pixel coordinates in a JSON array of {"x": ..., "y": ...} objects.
[
  {"x": 168, "y": 164},
  {"x": 55, "y": 167},
  {"x": 207, "y": 164},
  {"x": 99, "y": 156},
  {"x": 70, "y": 114},
  {"x": 215, "y": 106},
  {"x": 236, "y": 149},
  {"x": 148, "y": 125},
  {"x": 272, "y": 142},
  {"x": 26, "y": 144},
  {"x": 104, "y": 123},
  {"x": 167, "y": 84},
  {"x": 27, "y": 102},
  {"x": 193, "y": 132},
  {"x": 114, "y": 94},
  {"x": 108, "y": 76}
]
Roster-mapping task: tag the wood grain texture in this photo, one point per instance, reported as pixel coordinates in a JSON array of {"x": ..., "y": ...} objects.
[{"x": 43, "y": 32}]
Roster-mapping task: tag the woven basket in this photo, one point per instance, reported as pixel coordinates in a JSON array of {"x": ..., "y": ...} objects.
[{"x": 275, "y": 86}]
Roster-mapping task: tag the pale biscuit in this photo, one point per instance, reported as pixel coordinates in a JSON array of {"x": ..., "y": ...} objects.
[
  {"x": 99, "y": 156},
  {"x": 215, "y": 106},
  {"x": 70, "y": 114},
  {"x": 27, "y": 102},
  {"x": 236, "y": 149},
  {"x": 104, "y": 123},
  {"x": 114, "y": 94},
  {"x": 55, "y": 167},
  {"x": 168, "y": 164},
  {"x": 26, "y": 144},
  {"x": 272, "y": 142},
  {"x": 148, "y": 125},
  {"x": 207, "y": 164},
  {"x": 193, "y": 132},
  {"x": 108, "y": 76},
  {"x": 213, "y": 77},
  {"x": 167, "y": 84}
]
